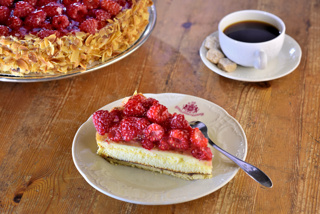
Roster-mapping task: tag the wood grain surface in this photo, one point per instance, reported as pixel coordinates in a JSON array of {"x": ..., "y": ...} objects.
[{"x": 281, "y": 118}]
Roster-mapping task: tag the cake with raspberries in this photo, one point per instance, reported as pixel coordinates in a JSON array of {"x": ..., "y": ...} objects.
[
  {"x": 142, "y": 133},
  {"x": 59, "y": 36}
]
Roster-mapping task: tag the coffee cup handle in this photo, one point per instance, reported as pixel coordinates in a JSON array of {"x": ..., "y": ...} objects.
[{"x": 260, "y": 59}]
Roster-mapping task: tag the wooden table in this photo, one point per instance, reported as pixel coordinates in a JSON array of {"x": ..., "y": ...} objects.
[{"x": 281, "y": 118}]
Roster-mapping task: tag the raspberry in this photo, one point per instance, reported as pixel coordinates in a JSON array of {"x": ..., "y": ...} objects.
[
  {"x": 147, "y": 103},
  {"x": 166, "y": 124},
  {"x": 22, "y": 9},
  {"x": 138, "y": 97},
  {"x": 202, "y": 153},
  {"x": 115, "y": 133},
  {"x": 91, "y": 4},
  {"x": 128, "y": 129},
  {"x": 111, "y": 6},
  {"x": 60, "y": 21},
  {"x": 178, "y": 122},
  {"x": 121, "y": 2},
  {"x": 4, "y": 14},
  {"x": 101, "y": 24},
  {"x": 102, "y": 121},
  {"x": 14, "y": 22},
  {"x": 45, "y": 33},
  {"x": 7, "y": 3},
  {"x": 89, "y": 26},
  {"x": 4, "y": 30},
  {"x": 35, "y": 19},
  {"x": 102, "y": 15},
  {"x": 116, "y": 115},
  {"x": 154, "y": 132},
  {"x": 47, "y": 25},
  {"x": 164, "y": 145},
  {"x": 147, "y": 144},
  {"x": 197, "y": 138},
  {"x": 44, "y": 2},
  {"x": 134, "y": 108},
  {"x": 158, "y": 113},
  {"x": 142, "y": 124},
  {"x": 68, "y": 2},
  {"x": 19, "y": 32},
  {"x": 77, "y": 11},
  {"x": 31, "y": 2},
  {"x": 178, "y": 139},
  {"x": 52, "y": 9}
]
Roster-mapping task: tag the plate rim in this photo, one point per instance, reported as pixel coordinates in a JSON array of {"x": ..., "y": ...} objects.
[
  {"x": 154, "y": 202},
  {"x": 47, "y": 77},
  {"x": 220, "y": 72}
]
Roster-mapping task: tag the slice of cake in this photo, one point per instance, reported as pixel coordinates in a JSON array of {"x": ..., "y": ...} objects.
[
  {"x": 59, "y": 36},
  {"x": 142, "y": 133}
]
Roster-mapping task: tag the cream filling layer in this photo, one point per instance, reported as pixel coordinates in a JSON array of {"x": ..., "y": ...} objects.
[{"x": 169, "y": 160}]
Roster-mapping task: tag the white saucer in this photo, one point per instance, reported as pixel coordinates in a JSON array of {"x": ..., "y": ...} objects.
[
  {"x": 144, "y": 187},
  {"x": 288, "y": 59}
]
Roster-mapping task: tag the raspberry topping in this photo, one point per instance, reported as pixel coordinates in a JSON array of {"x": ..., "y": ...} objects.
[
  {"x": 158, "y": 113},
  {"x": 202, "y": 153},
  {"x": 4, "y": 14},
  {"x": 31, "y": 2},
  {"x": 44, "y": 2},
  {"x": 197, "y": 138},
  {"x": 19, "y": 32},
  {"x": 142, "y": 124},
  {"x": 178, "y": 139},
  {"x": 102, "y": 15},
  {"x": 4, "y": 30},
  {"x": 115, "y": 133},
  {"x": 111, "y": 6},
  {"x": 128, "y": 129},
  {"x": 14, "y": 22},
  {"x": 91, "y": 4},
  {"x": 53, "y": 9},
  {"x": 22, "y": 9},
  {"x": 77, "y": 11},
  {"x": 147, "y": 103},
  {"x": 7, "y": 3},
  {"x": 45, "y": 32},
  {"x": 147, "y": 144},
  {"x": 102, "y": 120},
  {"x": 116, "y": 115},
  {"x": 60, "y": 21},
  {"x": 134, "y": 108},
  {"x": 68, "y": 2},
  {"x": 35, "y": 19},
  {"x": 178, "y": 122},
  {"x": 154, "y": 132},
  {"x": 146, "y": 121},
  {"x": 45, "y": 17},
  {"x": 163, "y": 144},
  {"x": 89, "y": 26},
  {"x": 122, "y": 3}
]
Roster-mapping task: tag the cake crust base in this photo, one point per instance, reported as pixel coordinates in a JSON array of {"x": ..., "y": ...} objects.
[{"x": 185, "y": 176}]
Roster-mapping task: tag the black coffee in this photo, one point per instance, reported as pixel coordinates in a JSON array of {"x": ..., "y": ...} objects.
[{"x": 252, "y": 31}]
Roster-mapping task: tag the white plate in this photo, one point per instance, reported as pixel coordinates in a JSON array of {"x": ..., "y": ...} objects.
[
  {"x": 145, "y": 187},
  {"x": 288, "y": 59},
  {"x": 5, "y": 77}
]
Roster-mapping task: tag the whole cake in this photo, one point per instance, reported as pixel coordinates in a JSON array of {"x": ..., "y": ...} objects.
[
  {"x": 142, "y": 133},
  {"x": 59, "y": 36}
]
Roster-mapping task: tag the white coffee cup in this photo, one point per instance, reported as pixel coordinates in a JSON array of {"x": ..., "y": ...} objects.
[{"x": 256, "y": 55}]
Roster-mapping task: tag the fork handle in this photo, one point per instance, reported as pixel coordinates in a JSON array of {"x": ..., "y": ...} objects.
[{"x": 251, "y": 170}]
